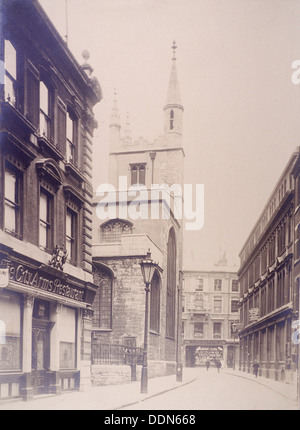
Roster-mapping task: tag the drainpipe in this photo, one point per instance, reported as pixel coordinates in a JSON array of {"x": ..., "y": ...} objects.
[{"x": 152, "y": 156}]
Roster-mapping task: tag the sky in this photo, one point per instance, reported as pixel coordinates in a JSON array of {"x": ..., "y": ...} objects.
[{"x": 241, "y": 109}]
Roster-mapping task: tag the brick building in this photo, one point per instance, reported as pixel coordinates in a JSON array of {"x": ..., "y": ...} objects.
[
  {"x": 268, "y": 274},
  {"x": 47, "y": 287},
  {"x": 210, "y": 308},
  {"x": 120, "y": 242}
]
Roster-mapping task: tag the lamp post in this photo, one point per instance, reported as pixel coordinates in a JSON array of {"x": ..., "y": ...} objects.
[
  {"x": 178, "y": 346},
  {"x": 234, "y": 330},
  {"x": 148, "y": 267}
]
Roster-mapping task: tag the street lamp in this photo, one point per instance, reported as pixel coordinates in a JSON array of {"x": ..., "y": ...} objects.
[
  {"x": 148, "y": 267},
  {"x": 178, "y": 346},
  {"x": 234, "y": 330}
]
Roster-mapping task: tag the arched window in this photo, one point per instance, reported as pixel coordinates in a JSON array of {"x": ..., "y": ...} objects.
[
  {"x": 171, "y": 285},
  {"x": 155, "y": 303},
  {"x": 171, "y": 119},
  {"x": 102, "y": 305},
  {"x": 112, "y": 230}
]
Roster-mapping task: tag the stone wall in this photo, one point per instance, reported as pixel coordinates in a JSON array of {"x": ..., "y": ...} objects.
[
  {"x": 121, "y": 374},
  {"x": 110, "y": 374},
  {"x": 161, "y": 368}
]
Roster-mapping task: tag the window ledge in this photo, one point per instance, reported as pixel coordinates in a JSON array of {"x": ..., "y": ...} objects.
[
  {"x": 48, "y": 250},
  {"x": 73, "y": 170},
  {"x": 155, "y": 333},
  {"x": 10, "y": 109},
  {"x": 46, "y": 145},
  {"x": 14, "y": 234}
]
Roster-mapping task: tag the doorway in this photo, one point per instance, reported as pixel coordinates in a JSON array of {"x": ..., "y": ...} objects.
[
  {"x": 40, "y": 356},
  {"x": 40, "y": 361}
]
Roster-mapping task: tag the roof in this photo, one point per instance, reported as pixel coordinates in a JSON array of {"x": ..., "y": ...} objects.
[{"x": 173, "y": 94}]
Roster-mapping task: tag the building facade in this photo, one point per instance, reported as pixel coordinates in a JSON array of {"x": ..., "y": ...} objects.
[
  {"x": 46, "y": 288},
  {"x": 210, "y": 310},
  {"x": 268, "y": 279},
  {"x": 143, "y": 219}
]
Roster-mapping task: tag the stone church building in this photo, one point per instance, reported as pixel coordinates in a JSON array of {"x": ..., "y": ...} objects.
[{"x": 146, "y": 179}]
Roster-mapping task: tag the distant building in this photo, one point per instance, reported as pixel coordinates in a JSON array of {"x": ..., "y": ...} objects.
[
  {"x": 268, "y": 275},
  {"x": 46, "y": 283},
  {"x": 121, "y": 242},
  {"x": 210, "y": 308}
]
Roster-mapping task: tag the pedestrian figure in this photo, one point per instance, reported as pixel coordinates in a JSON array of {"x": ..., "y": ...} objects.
[
  {"x": 255, "y": 368},
  {"x": 207, "y": 364},
  {"x": 218, "y": 364}
]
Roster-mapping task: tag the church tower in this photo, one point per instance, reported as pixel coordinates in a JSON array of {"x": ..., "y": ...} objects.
[
  {"x": 173, "y": 109},
  {"x": 150, "y": 168}
]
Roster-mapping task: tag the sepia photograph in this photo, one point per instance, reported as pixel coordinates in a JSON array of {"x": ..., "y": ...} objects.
[{"x": 149, "y": 207}]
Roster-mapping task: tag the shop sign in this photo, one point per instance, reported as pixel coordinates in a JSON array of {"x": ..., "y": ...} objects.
[
  {"x": 206, "y": 342},
  {"x": 212, "y": 353},
  {"x": 35, "y": 278},
  {"x": 4, "y": 277}
]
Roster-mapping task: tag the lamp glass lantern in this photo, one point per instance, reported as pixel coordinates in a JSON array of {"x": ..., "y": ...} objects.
[{"x": 148, "y": 267}]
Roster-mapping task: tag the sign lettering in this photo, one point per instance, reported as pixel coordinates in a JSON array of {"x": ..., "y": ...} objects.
[
  {"x": 37, "y": 279},
  {"x": 4, "y": 278}
]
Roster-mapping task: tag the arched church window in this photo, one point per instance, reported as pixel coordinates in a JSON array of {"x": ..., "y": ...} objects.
[
  {"x": 112, "y": 230},
  {"x": 102, "y": 305},
  {"x": 171, "y": 285},
  {"x": 155, "y": 303}
]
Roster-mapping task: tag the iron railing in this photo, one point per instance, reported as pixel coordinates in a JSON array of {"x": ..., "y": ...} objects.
[{"x": 108, "y": 353}]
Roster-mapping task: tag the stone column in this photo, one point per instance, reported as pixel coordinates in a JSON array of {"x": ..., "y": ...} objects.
[
  {"x": 86, "y": 349},
  {"x": 26, "y": 390}
]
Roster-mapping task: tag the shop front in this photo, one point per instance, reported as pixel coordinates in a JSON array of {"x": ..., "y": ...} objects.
[
  {"x": 269, "y": 342},
  {"x": 198, "y": 352},
  {"x": 211, "y": 353},
  {"x": 45, "y": 322}
]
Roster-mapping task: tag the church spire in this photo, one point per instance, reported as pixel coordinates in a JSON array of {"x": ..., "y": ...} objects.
[
  {"x": 115, "y": 124},
  {"x": 115, "y": 114},
  {"x": 127, "y": 131},
  {"x": 173, "y": 108},
  {"x": 173, "y": 95}
]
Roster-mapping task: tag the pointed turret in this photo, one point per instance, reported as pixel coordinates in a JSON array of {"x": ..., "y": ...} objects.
[
  {"x": 127, "y": 131},
  {"x": 115, "y": 114},
  {"x": 115, "y": 124},
  {"x": 173, "y": 108}
]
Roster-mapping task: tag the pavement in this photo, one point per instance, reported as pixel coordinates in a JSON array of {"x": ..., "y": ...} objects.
[
  {"x": 288, "y": 391},
  {"x": 116, "y": 397}
]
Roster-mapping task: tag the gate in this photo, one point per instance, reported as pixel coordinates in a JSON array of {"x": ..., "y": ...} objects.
[{"x": 115, "y": 354}]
